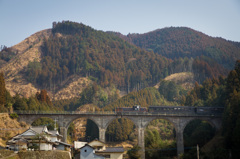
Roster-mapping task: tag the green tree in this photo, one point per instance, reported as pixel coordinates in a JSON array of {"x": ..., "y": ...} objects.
[
  {"x": 2, "y": 91},
  {"x": 33, "y": 104},
  {"x": 46, "y": 122},
  {"x": 20, "y": 103},
  {"x": 134, "y": 152}
]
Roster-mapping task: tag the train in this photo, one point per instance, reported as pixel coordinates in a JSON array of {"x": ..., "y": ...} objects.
[
  {"x": 170, "y": 110},
  {"x": 134, "y": 109}
]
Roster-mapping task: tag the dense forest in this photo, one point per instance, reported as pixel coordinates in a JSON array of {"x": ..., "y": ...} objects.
[
  {"x": 223, "y": 92},
  {"x": 38, "y": 102},
  {"x": 107, "y": 59},
  {"x": 6, "y": 54},
  {"x": 176, "y": 42}
]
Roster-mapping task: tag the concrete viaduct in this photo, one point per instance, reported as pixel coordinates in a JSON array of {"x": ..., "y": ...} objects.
[{"x": 141, "y": 120}]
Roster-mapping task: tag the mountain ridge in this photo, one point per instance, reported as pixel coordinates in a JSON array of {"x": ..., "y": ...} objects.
[
  {"x": 175, "y": 42},
  {"x": 138, "y": 69}
]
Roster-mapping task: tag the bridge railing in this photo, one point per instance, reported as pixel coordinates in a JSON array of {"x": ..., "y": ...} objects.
[
  {"x": 170, "y": 113},
  {"x": 60, "y": 112}
]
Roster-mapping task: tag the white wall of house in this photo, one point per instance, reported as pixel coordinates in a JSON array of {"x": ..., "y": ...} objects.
[
  {"x": 79, "y": 144},
  {"x": 116, "y": 156},
  {"x": 45, "y": 146},
  {"x": 54, "y": 138}
]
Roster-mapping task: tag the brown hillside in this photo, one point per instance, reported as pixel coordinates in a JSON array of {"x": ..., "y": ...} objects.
[
  {"x": 185, "y": 79},
  {"x": 9, "y": 128},
  {"x": 27, "y": 51}
]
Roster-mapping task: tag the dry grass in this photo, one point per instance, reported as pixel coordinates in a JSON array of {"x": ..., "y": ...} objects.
[
  {"x": 72, "y": 88},
  {"x": 44, "y": 154},
  {"x": 27, "y": 51},
  {"x": 10, "y": 128},
  {"x": 185, "y": 79}
]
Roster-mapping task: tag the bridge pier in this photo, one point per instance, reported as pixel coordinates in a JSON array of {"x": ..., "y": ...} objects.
[
  {"x": 141, "y": 141},
  {"x": 63, "y": 132},
  {"x": 102, "y": 132},
  {"x": 180, "y": 143}
]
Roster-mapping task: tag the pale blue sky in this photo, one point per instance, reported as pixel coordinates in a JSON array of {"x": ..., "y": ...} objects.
[{"x": 217, "y": 18}]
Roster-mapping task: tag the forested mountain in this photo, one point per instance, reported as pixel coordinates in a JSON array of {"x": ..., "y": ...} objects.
[
  {"x": 175, "y": 42},
  {"x": 72, "y": 52},
  {"x": 78, "y": 49},
  {"x": 192, "y": 51}
]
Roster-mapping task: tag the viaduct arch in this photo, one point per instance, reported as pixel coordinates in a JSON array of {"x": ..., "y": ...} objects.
[{"x": 102, "y": 120}]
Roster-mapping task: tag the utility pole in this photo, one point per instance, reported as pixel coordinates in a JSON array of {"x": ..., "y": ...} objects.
[
  {"x": 55, "y": 125},
  {"x": 197, "y": 151}
]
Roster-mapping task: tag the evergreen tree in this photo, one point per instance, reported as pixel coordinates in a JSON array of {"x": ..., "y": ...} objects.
[
  {"x": 2, "y": 91},
  {"x": 20, "y": 103},
  {"x": 134, "y": 152}
]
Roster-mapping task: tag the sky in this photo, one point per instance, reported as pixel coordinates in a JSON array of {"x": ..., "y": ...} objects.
[{"x": 216, "y": 18}]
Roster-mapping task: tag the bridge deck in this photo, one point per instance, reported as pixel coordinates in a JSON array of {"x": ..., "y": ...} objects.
[{"x": 170, "y": 113}]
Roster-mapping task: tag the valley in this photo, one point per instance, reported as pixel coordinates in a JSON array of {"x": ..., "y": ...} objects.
[{"x": 73, "y": 67}]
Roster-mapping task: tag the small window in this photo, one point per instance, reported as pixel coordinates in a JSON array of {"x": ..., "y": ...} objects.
[{"x": 85, "y": 150}]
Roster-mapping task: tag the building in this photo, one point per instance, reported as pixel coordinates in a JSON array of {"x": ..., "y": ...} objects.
[
  {"x": 111, "y": 153},
  {"x": 79, "y": 144},
  {"x": 99, "y": 149},
  {"x": 38, "y": 137},
  {"x": 88, "y": 152},
  {"x": 97, "y": 145}
]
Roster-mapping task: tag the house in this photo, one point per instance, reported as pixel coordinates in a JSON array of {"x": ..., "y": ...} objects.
[
  {"x": 38, "y": 137},
  {"x": 62, "y": 146},
  {"x": 32, "y": 138},
  {"x": 88, "y": 152},
  {"x": 17, "y": 143},
  {"x": 100, "y": 149},
  {"x": 111, "y": 152},
  {"x": 55, "y": 136},
  {"x": 79, "y": 144}
]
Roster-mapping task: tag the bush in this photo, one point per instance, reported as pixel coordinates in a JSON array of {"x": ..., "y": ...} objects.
[{"x": 14, "y": 116}]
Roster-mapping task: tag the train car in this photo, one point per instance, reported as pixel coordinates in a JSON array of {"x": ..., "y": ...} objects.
[
  {"x": 209, "y": 110},
  {"x": 134, "y": 109},
  {"x": 170, "y": 109}
]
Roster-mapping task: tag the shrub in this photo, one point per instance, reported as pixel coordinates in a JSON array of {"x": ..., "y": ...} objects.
[{"x": 14, "y": 116}]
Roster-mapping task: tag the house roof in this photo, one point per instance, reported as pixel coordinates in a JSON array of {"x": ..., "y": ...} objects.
[
  {"x": 87, "y": 146},
  {"x": 112, "y": 150},
  {"x": 63, "y": 143},
  {"x": 39, "y": 129},
  {"x": 17, "y": 140},
  {"x": 95, "y": 141},
  {"x": 54, "y": 133}
]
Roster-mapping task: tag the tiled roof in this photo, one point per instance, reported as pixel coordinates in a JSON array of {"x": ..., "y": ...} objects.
[
  {"x": 38, "y": 129},
  {"x": 54, "y": 133},
  {"x": 95, "y": 141},
  {"x": 63, "y": 143},
  {"x": 112, "y": 149}
]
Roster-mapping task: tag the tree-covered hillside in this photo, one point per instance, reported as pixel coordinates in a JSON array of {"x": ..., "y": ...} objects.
[
  {"x": 175, "y": 42},
  {"x": 222, "y": 92},
  {"x": 75, "y": 48}
]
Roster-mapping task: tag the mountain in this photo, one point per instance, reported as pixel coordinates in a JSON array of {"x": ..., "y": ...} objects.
[
  {"x": 71, "y": 56},
  {"x": 22, "y": 53},
  {"x": 68, "y": 52},
  {"x": 176, "y": 42}
]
